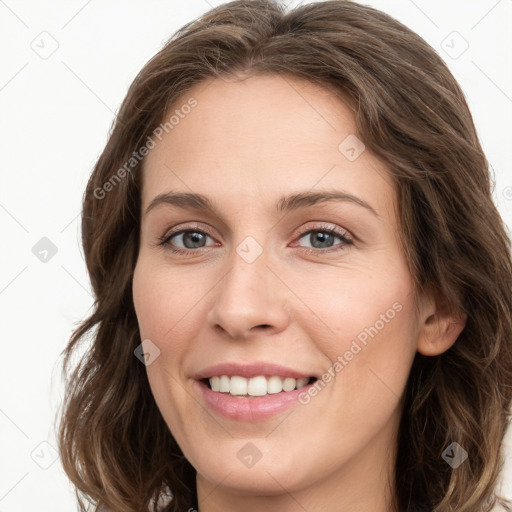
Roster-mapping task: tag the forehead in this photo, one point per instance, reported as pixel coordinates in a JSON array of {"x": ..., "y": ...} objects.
[{"x": 262, "y": 136}]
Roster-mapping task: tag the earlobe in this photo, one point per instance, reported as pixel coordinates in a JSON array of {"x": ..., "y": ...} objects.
[{"x": 439, "y": 332}]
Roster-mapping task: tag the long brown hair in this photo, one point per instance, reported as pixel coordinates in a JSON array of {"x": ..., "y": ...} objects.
[{"x": 114, "y": 444}]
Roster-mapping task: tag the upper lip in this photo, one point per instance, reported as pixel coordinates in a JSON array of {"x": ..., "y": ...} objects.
[{"x": 250, "y": 370}]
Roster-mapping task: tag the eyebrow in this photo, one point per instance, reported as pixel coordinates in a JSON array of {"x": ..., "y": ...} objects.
[{"x": 285, "y": 204}]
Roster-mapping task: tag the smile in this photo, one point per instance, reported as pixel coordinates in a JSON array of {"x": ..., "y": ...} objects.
[
  {"x": 251, "y": 408},
  {"x": 255, "y": 386}
]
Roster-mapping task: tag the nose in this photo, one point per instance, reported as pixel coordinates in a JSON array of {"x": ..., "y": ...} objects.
[{"x": 249, "y": 300}]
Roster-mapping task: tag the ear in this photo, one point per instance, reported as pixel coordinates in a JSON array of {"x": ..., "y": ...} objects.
[{"x": 439, "y": 328}]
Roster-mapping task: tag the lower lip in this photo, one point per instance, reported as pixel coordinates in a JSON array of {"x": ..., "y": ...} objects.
[{"x": 250, "y": 409}]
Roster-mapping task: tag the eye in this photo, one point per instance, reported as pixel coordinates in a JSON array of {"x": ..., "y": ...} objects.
[
  {"x": 322, "y": 238},
  {"x": 185, "y": 241}
]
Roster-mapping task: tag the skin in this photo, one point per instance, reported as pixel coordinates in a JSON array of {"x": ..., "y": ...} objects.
[{"x": 246, "y": 144}]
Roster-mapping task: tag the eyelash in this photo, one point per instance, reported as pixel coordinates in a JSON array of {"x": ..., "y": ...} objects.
[{"x": 164, "y": 241}]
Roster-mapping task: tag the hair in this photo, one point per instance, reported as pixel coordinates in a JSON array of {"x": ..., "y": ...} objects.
[{"x": 410, "y": 112}]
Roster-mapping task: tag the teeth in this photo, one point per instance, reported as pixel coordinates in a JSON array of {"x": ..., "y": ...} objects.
[
  {"x": 224, "y": 384},
  {"x": 274, "y": 385},
  {"x": 256, "y": 386},
  {"x": 215, "y": 383},
  {"x": 238, "y": 386},
  {"x": 289, "y": 384}
]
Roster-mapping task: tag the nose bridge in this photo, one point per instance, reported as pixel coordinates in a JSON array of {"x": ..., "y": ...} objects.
[{"x": 249, "y": 295}]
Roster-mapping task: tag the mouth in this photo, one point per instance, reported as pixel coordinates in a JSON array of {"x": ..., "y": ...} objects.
[
  {"x": 253, "y": 391},
  {"x": 252, "y": 399},
  {"x": 255, "y": 387}
]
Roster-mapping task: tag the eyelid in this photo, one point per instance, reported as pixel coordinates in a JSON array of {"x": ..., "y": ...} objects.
[
  {"x": 346, "y": 237},
  {"x": 298, "y": 233},
  {"x": 324, "y": 226},
  {"x": 196, "y": 226}
]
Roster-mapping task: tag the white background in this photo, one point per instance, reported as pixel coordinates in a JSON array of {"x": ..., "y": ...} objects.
[{"x": 55, "y": 114}]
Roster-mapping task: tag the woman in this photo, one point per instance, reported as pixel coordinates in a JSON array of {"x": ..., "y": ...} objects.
[{"x": 302, "y": 283}]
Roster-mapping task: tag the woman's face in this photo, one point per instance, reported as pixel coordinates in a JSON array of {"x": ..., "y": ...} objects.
[{"x": 266, "y": 276}]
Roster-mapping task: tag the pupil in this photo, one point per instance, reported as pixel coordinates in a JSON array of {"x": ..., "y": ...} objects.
[
  {"x": 322, "y": 238},
  {"x": 194, "y": 239}
]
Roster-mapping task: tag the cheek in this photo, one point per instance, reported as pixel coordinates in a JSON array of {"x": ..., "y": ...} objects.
[
  {"x": 370, "y": 337},
  {"x": 158, "y": 315},
  {"x": 162, "y": 300},
  {"x": 146, "y": 297}
]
